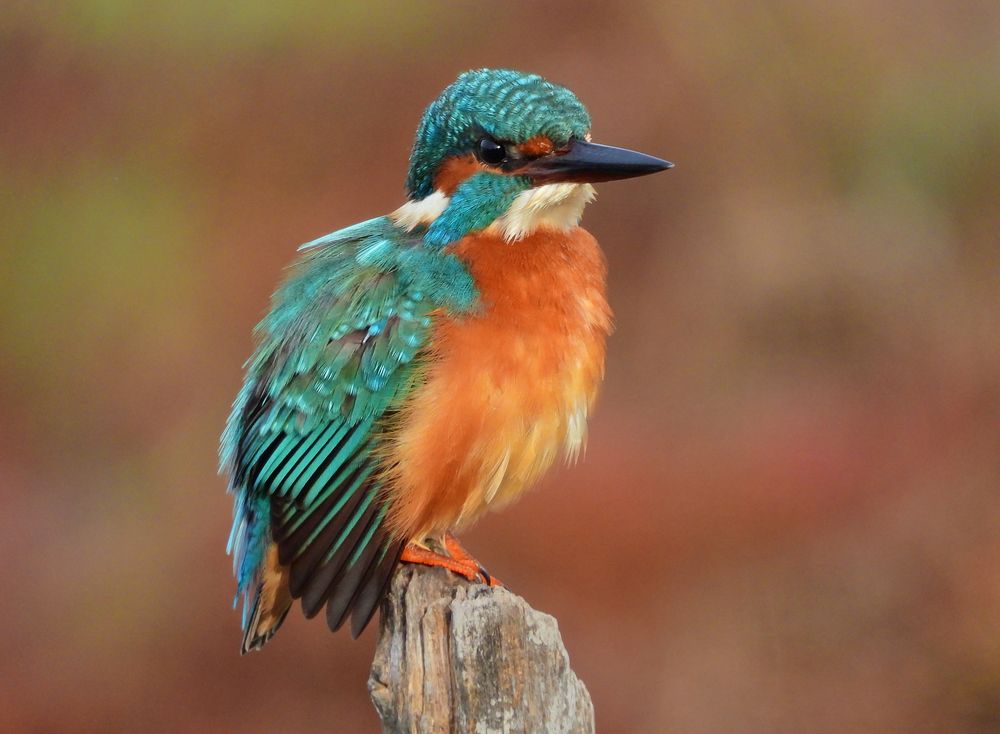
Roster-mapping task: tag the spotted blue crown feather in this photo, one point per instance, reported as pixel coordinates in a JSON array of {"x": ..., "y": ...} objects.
[{"x": 506, "y": 104}]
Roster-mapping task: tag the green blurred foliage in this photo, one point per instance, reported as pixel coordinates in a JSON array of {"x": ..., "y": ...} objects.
[{"x": 188, "y": 26}]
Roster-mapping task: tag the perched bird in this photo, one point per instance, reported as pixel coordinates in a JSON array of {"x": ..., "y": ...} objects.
[{"x": 421, "y": 368}]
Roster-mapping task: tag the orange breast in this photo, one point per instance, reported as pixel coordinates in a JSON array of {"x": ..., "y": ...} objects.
[{"x": 508, "y": 389}]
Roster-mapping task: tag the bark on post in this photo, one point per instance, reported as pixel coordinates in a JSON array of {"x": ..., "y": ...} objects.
[{"x": 459, "y": 657}]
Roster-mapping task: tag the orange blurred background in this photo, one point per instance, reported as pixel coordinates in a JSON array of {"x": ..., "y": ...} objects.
[{"x": 788, "y": 519}]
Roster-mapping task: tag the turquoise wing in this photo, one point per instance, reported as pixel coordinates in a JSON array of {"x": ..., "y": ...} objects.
[{"x": 338, "y": 353}]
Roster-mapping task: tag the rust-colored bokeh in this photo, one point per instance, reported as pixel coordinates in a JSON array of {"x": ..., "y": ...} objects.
[{"x": 787, "y": 519}]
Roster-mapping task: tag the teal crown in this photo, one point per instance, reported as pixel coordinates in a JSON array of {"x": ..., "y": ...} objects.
[{"x": 507, "y": 105}]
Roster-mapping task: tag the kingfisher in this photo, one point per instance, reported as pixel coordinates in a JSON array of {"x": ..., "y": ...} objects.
[{"x": 421, "y": 368}]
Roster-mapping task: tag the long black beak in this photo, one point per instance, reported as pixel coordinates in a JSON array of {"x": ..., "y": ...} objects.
[{"x": 589, "y": 163}]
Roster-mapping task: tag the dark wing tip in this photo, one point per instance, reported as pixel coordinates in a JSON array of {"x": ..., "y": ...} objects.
[
  {"x": 374, "y": 588},
  {"x": 346, "y": 592},
  {"x": 347, "y": 574}
]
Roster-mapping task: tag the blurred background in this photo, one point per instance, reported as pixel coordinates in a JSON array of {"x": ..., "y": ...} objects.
[{"x": 788, "y": 519}]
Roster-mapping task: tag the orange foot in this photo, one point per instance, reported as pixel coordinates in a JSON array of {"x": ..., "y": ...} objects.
[
  {"x": 455, "y": 550},
  {"x": 458, "y": 561}
]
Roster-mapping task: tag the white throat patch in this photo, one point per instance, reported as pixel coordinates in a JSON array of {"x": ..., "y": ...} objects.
[{"x": 557, "y": 206}]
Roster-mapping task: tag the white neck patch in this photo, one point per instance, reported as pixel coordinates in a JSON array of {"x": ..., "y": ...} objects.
[
  {"x": 557, "y": 206},
  {"x": 422, "y": 211}
]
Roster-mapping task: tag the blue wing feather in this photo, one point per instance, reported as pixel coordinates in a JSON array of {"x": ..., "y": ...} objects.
[{"x": 338, "y": 351}]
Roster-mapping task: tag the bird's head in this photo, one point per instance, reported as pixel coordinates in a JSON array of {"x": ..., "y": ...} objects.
[{"x": 500, "y": 146}]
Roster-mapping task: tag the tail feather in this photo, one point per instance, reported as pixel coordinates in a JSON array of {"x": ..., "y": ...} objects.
[
  {"x": 270, "y": 606},
  {"x": 257, "y": 634}
]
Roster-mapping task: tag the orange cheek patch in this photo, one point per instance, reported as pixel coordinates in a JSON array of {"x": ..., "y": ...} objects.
[
  {"x": 538, "y": 145},
  {"x": 453, "y": 171}
]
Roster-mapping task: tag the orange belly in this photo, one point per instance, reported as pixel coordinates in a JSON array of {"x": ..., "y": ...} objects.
[{"x": 508, "y": 388}]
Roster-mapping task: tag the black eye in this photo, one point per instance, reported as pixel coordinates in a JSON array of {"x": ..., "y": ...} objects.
[{"x": 490, "y": 152}]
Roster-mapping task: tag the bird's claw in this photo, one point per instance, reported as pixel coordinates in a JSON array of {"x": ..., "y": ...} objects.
[{"x": 457, "y": 560}]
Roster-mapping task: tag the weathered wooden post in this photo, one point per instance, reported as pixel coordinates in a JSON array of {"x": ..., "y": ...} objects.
[{"x": 459, "y": 657}]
